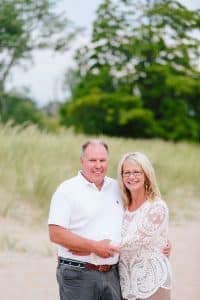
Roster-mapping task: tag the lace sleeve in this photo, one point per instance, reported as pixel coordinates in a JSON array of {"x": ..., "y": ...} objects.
[{"x": 151, "y": 222}]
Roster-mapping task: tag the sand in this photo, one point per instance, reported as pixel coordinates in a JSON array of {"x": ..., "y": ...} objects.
[{"x": 29, "y": 276}]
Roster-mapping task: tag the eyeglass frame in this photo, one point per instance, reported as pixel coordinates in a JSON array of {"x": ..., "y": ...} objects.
[{"x": 134, "y": 173}]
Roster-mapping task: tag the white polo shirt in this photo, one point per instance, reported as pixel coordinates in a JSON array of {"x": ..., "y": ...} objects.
[{"x": 81, "y": 207}]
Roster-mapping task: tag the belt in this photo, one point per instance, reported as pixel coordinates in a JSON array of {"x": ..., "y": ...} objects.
[{"x": 85, "y": 265}]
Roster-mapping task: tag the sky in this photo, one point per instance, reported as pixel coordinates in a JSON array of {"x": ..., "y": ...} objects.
[{"x": 44, "y": 76}]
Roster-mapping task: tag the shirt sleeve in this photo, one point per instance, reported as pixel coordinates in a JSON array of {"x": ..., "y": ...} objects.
[
  {"x": 150, "y": 225},
  {"x": 59, "y": 213}
]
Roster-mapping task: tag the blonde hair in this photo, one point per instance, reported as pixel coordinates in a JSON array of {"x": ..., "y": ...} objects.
[{"x": 151, "y": 185}]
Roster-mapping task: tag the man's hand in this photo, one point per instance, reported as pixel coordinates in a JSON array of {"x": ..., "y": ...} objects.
[{"x": 105, "y": 249}]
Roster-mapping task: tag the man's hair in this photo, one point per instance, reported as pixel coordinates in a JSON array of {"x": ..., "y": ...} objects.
[{"x": 93, "y": 142}]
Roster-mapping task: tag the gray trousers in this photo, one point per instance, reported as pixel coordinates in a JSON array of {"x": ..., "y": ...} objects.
[{"x": 80, "y": 284}]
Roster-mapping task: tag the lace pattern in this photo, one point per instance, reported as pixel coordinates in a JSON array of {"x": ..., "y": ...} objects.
[{"x": 142, "y": 266}]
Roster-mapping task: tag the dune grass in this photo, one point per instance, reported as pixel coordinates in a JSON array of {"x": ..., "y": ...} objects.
[{"x": 33, "y": 163}]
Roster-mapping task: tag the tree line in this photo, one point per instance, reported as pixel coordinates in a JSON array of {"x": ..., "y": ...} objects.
[{"x": 139, "y": 74}]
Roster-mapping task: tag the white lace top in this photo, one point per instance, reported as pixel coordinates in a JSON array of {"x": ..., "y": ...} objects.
[{"x": 143, "y": 268}]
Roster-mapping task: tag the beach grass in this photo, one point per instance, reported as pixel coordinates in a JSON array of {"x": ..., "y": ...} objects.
[{"x": 33, "y": 163}]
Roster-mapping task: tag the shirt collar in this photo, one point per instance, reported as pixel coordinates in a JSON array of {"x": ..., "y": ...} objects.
[{"x": 106, "y": 182}]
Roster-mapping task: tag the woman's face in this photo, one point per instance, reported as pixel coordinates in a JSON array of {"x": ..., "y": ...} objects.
[{"x": 133, "y": 176}]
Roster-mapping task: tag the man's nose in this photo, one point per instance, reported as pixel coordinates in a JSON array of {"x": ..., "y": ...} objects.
[{"x": 98, "y": 164}]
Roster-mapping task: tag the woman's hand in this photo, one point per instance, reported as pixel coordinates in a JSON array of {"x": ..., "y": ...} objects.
[{"x": 167, "y": 249}]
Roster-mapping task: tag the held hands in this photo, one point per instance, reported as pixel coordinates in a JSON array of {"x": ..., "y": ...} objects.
[
  {"x": 105, "y": 248},
  {"x": 102, "y": 248}
]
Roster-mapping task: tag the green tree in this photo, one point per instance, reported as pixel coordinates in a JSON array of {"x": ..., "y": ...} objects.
[
  {"x": 96, "y": 60},
  {"x": 25, "y": 26},
  {"x": 168, "y": 70},
  {"x": 148, "y": 49},
  {"x": 99, "y": 114}
]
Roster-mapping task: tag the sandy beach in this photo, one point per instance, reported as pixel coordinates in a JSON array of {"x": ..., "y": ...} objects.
[{"x": 29, "y": 276}]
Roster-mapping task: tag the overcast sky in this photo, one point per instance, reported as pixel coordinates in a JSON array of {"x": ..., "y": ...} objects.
[{"x": 44, "y": 76}]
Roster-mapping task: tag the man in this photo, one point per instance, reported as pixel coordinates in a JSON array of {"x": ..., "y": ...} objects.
[
  {"x": 85, "y": 216},
  {"x": 85, "y": 220}
]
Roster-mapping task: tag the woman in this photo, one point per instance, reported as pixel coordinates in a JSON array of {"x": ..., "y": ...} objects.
[{"x": 144, "y": 270}]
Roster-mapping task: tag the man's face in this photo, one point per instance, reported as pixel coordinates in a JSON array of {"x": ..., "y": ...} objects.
[{"x": 94, "y": 162}]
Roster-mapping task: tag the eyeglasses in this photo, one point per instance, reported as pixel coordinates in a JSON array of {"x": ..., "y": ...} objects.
[{"x": 134, "y": 173}]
